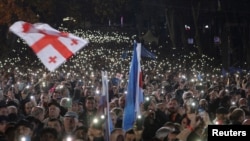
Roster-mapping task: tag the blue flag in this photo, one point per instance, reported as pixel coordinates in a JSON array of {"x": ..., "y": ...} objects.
[
  {"x": 146, "y": 53},
  {"x": 134, "y": 95},
  {"x": 104, "y": 101}
]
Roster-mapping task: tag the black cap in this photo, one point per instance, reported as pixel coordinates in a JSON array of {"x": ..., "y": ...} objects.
[
  {"x": 221, "y": 110},
  {"x": 55, "y": 103},
  {"x": 12, "y": 103},
  {"x": 25, "y": 123}
]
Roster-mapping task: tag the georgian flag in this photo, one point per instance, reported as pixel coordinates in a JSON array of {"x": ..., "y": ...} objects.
[{"x": 51, "y": 46}]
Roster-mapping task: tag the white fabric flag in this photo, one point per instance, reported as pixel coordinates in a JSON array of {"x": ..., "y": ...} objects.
[{"x": 52, "y": 47}]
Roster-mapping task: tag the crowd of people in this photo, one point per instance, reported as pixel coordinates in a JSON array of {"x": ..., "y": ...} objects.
[
  {"x": 182, "y": 96},
  {"x": 59, "y": 106}
]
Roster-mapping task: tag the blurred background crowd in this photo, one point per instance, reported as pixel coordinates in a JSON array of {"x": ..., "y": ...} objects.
[{"x": 183, "y": 94}]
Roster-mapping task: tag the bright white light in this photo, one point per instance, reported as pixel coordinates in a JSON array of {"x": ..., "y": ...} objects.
[
  {"x": 23, "y": 139},
  {"x": 69, "y": 139},
  {"x": 102, "y": 116},
  {"x": 95, "y": 121},
  {"x": 139, "y": 116},
  {"x": 193, "y": 104}
]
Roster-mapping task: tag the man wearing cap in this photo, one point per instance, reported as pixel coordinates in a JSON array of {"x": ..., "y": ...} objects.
[
  {"x": 24, "y": 129},
  {"x": 54, "y": 112},
  {"x": 70, "y": 122}
]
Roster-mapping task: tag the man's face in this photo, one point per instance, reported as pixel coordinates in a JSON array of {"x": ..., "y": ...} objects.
[
  {"x": 80, "y": 134},
  {"x": 23, "y": 131},
  {"x": 28, "y": 107},
  {"x": 44, "y": 98},
  {"x": 54, "y": 111},
  {"x": 122, "y": 102},
  {"x": 90, "y": 105},
  {"x": 70, "y": 123},
  {"x": 173, "y": 106},
  {"x": 4, "y": 111},
  {"x": 56, "y": 125}
]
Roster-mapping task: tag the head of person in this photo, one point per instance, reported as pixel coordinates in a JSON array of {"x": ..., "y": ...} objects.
[
  {"x": 161, "y": 106},
  {"x": 185, "y": 121},
  {"x": 28, "y": 105},
  {"x": 112, "y": 105},
  {"x": 38, "y": 112},
  {"x": 3, "y": 123},
  {"x": 213, "y": 95},
  {"x": 203, "y": 104},
  {"x": 130, "y": 135},
  {"x": 186, "y": 95},
  {"x": 10, "y": 131},
  {"x": 13, "y": 113},
  {"x": 90, "y": 104},
  {"x": 238, "y": 115},
  {"x": 242, "y": 102},
  {"x": 57, "y": 95},
  {"x": 118, "y": 112},
  {"x": 44, "y": 98},
  {"x": 173, "y": 105},
  {"x": 54, "y": 109},
  {"x": 117, "y": 134},
  {"x": 12, "y": 109},
  {"x": 56, "y": 124},
  {"x": 23, "y": 129},
  {"x": 122, "y": 101},
  {"x": 113, "y": 118},
  {"x": 162, "y": 133},
  {"x": 3, "y": 109},
  {"x": 172, "y": 135},
  {"x": 65, "y": 102},
  {"x": 75, "y": 106},
  {"x": 149, "y": 105},
  {"x": 81, "y": 133},
  {"x": 48, "y": 134},
  {"x": 70, "y": 121},
  {"x": 221, "y": 115}
]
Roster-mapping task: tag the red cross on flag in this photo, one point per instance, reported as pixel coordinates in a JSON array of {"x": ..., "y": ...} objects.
[{"x": 50, "y": 45}]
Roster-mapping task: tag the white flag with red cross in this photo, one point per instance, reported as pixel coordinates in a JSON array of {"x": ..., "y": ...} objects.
[{"x": 52, "y": 47}]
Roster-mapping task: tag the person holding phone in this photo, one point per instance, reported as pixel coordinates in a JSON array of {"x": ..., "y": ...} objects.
[{"x": 24, "y": 130}]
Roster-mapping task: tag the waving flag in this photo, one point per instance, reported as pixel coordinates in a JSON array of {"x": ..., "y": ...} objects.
[
  {"x": 134, "y": 95},
  {"x": 146, "y": 53},
  {"x": 50, "y": 45},
  {"x": 105, "y": 98}
]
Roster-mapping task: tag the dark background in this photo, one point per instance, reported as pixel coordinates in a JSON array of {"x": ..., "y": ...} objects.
[{"x": 218, "y": 28}]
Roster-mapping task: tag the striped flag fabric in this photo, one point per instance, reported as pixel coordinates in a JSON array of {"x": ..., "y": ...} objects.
[
  {"x": 134, "y": 95},
  {"x": 51, "y": 46}
]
